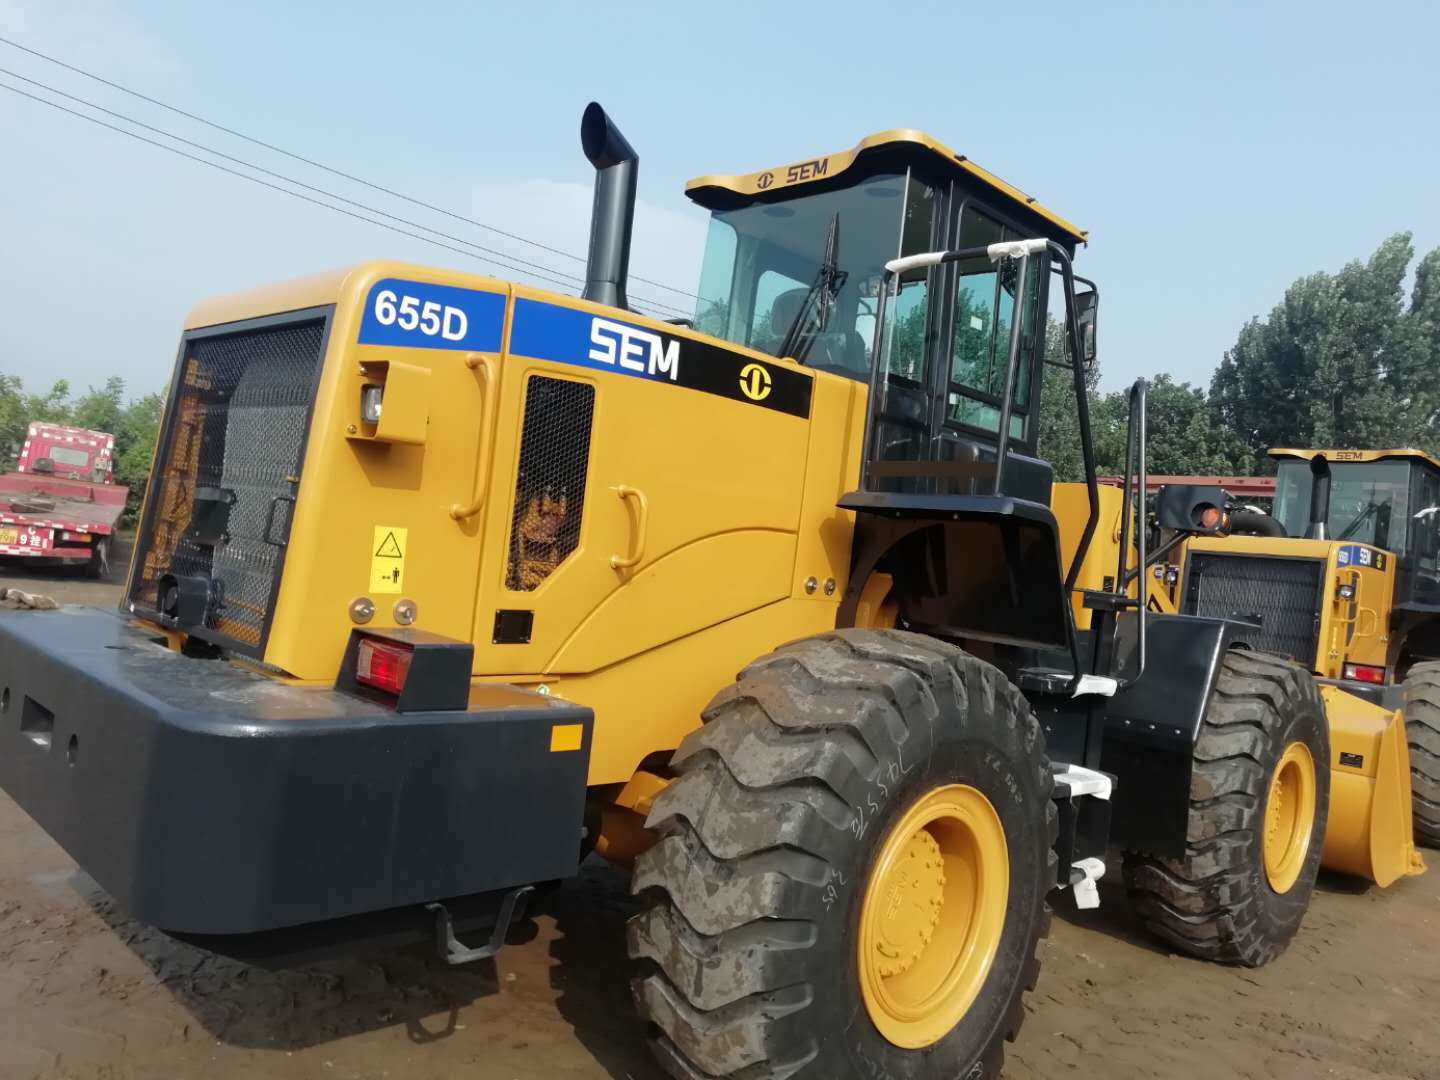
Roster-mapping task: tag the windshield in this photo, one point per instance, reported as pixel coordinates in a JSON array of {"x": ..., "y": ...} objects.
[
  {"x": 1369, "y": 501},
  {"x": 800, "y": 277}
]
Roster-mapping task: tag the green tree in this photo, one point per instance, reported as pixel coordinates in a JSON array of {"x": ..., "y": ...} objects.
[
  {"x": 101, "y": 410},
  {"x": 135, "y": 436},
  {"x": 1342, "y": 361},
  {"x": 1059, "y": 417}
]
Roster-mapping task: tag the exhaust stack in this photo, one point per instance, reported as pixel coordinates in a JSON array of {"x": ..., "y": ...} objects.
[
  {"x": 1319, "y": 498},
  {"x": 612, "y": 217}
]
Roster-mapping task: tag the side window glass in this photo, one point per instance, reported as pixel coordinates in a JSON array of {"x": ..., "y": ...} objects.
[
  {"x": 910, "y": 306},
  {"x": 976, "y": 306},
  {"x": 778, "y": 299},
  {"x": 717, "y": 273},
  {"x": 1426, "y": 523},
  {"x": 984, "y": 314}
]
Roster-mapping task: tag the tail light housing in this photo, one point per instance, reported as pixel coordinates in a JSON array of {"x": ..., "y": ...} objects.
[
  {"x": 1366, "y": 673},
  {"x": 407, "y": 670},
  {"x": 382, "y": 664}
]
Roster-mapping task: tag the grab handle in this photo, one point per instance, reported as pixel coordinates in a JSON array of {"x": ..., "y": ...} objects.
[
  {"x": 627, "y": 493},
  {"x": 462, "y": 511}
]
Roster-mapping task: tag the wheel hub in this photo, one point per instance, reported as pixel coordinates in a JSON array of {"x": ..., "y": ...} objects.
[
  {"x": 1289, "y": 817},
  {"x": 913, "y": 894},
  {"x": 933, "y": 915}
]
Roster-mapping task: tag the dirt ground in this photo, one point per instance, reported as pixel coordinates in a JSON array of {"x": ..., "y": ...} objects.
[{"x": 86, "y": 993}]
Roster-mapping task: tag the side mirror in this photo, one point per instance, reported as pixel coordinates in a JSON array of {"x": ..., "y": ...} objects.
[
  {"x": 1192, "y": 508},
  {"x": 1087, "y": 314}
]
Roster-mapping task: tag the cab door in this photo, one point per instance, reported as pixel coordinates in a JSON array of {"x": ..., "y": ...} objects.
[{"x": 648, "y": 486}]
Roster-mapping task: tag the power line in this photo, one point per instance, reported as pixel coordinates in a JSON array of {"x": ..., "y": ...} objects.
[
  {"x": 262, "y": 183},
  {"x": 317, "y": 190},
  {"x": 316, "y": 164},
  {"x": 545, "y": 273}
]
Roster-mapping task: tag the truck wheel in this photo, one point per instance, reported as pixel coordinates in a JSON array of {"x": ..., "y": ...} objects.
[
  {"x": 1422, "y": 731},
  {"x": 852, "y": 870},
  {"x": 1259, "y": 799},
  {"x": 99, "y": 565}
]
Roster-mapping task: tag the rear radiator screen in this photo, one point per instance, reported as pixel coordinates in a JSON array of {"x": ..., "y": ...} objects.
[
  {"x": 226, "y": 476},
  {"x": 1282, "y": 594},
  {"x": 550, "y": 483}
]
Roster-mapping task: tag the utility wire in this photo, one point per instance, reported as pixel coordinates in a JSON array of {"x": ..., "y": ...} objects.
[
  {"x": 317, "y": 190},
  {"x": 319, "y": 165},
  {"x": 263, "y": 183},
  {"x": 534, "y": 269}
]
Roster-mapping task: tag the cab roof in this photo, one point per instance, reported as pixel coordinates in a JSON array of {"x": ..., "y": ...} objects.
[
  {"x": 1403, "y": 453},
  {"x": 900, "y": 145}
]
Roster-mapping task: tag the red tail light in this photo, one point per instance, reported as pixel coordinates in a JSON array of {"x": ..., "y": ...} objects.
[
  {"x": 1365, "y": 673},
  {"x": 382, "y": 664}
]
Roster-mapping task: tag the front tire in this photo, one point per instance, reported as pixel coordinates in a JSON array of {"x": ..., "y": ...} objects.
[
  {"x": 1422, "y": 732},
  {"x": 843, "y": 797},
  {"x": 1259, "y": 800}
]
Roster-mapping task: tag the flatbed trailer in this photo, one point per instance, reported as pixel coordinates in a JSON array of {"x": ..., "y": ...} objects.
[{"x": 61, "y": 503}]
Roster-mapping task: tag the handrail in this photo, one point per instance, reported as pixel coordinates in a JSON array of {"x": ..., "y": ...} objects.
[
  {"x": 626, "y": 493},
  {"x": 461, "y": 512}
]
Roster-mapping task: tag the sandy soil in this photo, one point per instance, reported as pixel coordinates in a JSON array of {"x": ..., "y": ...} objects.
[{"x": 86, "y": 993}]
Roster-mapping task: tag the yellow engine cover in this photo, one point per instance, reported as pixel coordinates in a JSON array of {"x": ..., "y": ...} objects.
[{"x": 1370, "y": 833}]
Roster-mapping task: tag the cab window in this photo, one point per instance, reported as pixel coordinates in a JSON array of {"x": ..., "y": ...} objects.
[
  {"x": 1425, "y": 521},
  {"x": 67, "y": 455},
  {"x": 984, "y": 313}
]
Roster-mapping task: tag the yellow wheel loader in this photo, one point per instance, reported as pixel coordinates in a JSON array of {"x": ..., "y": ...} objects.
[
  {"x": 444, "y": 582},
  {"x": 1343, "y": 578}
]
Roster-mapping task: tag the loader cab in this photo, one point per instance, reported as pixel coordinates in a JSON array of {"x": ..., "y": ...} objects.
[
  {"x": 794, "y": 264},
  {"x": 1387, "y": 499}
]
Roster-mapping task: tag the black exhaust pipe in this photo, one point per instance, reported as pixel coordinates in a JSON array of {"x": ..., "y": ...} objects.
[
  {"x": 1319, "y": 498},
  {"x": 612, "y": 217}
]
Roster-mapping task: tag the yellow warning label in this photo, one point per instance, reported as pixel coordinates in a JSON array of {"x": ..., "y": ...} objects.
[{"x": 387, "y": 559}]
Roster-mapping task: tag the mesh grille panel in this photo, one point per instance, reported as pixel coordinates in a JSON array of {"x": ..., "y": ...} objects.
[
  {"x": 550, "y": 484},
  {"x": 227, "y": 475},
  {"x": 1284, "y": 594}
]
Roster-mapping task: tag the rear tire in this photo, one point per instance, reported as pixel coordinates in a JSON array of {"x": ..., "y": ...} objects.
[
  {"x": 1219, "y": 901},
  {"x": 748, "y": 947},
  {"x": 1422, "y": 732}
]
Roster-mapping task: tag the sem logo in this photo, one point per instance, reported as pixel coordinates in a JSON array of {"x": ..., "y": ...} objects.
[
  {"x": 755, "y": 382},
  {"x": 809, "y": 170},
  {"x": 766, "y": 179},
  {"x": 633, "y": 349}
]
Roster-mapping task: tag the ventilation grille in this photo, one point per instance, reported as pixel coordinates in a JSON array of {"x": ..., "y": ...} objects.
[
  {"x": 550, "y": 484},
  {"x": 1283, "y": 594},
  {"x": 226, "y": 477}
]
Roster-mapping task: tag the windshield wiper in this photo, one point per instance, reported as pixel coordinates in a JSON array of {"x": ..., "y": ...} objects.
[
  {"x": 826, "y": 286},
  {"x": 1360, "y": 519}
]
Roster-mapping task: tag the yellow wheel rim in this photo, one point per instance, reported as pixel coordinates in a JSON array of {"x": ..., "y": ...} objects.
[
  {"x": 933, "y": 915},
  {"x": 1289, "y": 816}
]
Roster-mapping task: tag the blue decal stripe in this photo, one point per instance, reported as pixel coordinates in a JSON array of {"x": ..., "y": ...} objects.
[{"x": 420, "y": 315}]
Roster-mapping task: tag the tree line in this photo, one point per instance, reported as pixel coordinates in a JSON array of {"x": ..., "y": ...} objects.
[{"x": 1347, "y": 360}]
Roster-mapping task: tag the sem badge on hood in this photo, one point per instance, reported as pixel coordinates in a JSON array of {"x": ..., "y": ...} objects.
[{"x": 570, "y": 336}]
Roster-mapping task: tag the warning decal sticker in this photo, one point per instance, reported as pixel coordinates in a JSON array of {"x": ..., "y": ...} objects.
[{"x": 387, "y": 559}]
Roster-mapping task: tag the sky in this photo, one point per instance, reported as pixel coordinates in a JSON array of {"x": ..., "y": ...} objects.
[{"x": 1216, "y": 152}]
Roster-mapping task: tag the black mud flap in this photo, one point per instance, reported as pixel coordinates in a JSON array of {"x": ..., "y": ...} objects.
[
  {"x": 1151, "y": 725},
  {"x": 207, "y": 799}
]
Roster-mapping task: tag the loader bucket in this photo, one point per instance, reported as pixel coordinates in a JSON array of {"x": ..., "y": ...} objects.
[{"x": 1370, "y": 832}]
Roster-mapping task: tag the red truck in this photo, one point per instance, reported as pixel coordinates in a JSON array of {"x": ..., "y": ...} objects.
[{"x": 61, "y": 502}]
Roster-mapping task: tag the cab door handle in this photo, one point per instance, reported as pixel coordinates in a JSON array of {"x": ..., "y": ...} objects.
[{"x": 637, "y": 552}]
